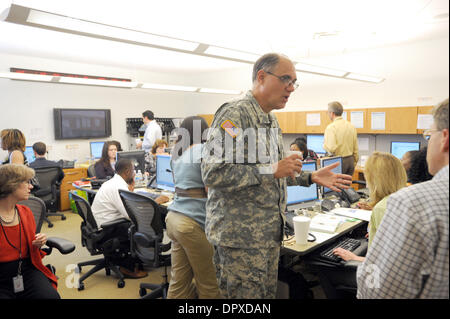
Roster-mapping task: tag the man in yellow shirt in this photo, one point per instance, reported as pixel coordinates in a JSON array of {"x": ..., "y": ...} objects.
[{"x": 341, "y": 138}]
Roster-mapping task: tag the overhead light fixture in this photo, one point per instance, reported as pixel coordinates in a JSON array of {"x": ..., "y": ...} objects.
[
  {"x": 365, "y": 78},
  {"x": 168, "y": 87},
  {"x": 32, "y": 17},
  {"x": 303, "y": 67},
  {"x": 219, "y": 91},
  {"x": 232, "y": 54},
  {"x": 70, "y": 80},
  {"x": 37, "y": 18},
  {"x": 26, "y": 77}
]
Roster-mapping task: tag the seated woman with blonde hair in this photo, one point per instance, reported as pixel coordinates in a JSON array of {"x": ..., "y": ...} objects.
[
  {"x": 385, "y": 175},
  {"x": 22, "y": 274}
]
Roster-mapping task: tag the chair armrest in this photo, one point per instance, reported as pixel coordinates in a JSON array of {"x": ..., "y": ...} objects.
[
  {"x": 143, "y": 240},
  {"x": 64, "y": 246},
  {"x": 165, "y": 247},
  {"x": 114, "y": 223},
  {"x": 352, "y": 264}
]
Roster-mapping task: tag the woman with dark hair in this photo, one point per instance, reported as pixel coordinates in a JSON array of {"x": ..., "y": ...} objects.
[
  {"x": 22, "y": 274},
  {"x": 417, "y": 171},
  {"x": 193, "y": 273},
  {"x": 299, "y": 144},
  {"x": 104, "y": 168},
  {"x": 13, "y": 141}
]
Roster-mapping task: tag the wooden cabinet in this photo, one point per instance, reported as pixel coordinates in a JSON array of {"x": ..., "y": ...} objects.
[
  {"x": 70, "y": 175},
  {"x": 423, "y": 110},
  {"x": 208, "y": 117},
  {"x": 398, "y": 120}
]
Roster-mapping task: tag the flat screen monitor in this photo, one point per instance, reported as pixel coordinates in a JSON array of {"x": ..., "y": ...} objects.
[
  {"x": 400, "y": 148},
  {"x": 338, "y": 170},
  {"x": 96, "y": 149},
  {"x": 137, "y": 157},
  {"x": 315, "y": 143},
  {"x": 301, "y": 194},
  {"x": 81, "y": 123},
  {"x": 164, "y": 177},
  {"x": 29, "y": 154}
]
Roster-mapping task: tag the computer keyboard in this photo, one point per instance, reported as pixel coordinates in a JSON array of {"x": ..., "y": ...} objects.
[{"x": 347, "y": 243}]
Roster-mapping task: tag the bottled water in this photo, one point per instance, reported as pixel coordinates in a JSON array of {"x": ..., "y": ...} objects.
[{"x": 138, "y": 179}]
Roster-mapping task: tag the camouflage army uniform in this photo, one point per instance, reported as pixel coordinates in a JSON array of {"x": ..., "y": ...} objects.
[{"x": 244, "y": 211}]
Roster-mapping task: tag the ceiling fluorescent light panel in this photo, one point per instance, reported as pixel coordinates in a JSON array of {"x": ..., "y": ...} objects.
[
  {"x": 220, "y": 91},
  {"x": 232, "y": 54},
  {"x": 302, "y": 67},
  {"x": 26, "y": 77},
  {"x": 91, "y": 28},
  {"x": 365, "y": 78},
  {"x": 169, "y": 87},
  {"x": 70, "y": 80}
]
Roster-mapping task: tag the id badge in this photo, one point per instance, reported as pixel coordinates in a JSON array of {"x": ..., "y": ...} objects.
[{"x": 18, "y": 283}]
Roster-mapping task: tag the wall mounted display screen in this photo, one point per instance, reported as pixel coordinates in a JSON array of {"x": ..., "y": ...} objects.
[{"x": 81, "y": 123}]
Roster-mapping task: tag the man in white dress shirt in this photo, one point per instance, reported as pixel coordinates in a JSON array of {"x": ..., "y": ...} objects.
[
  {"x": 152, "y": 133},
  {"x": 108, "y": 206},
  {"x": 409, "y": 256}
]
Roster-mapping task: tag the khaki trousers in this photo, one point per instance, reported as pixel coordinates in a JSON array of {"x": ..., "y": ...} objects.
[{"x": 193, "y": 273}]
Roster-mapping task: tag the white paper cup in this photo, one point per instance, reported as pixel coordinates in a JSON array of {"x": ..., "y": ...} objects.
[
  {"x": 289, "y": 153},
  {"x": 301, "y": 229}
]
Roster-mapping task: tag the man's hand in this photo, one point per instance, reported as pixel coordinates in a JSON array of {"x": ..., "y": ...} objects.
[
  {"x": 161, "y": 199},
  {"x": 288, "y": 167},
  {"x": 131, "y": 187},
  {"x": 326, "y": 177}
]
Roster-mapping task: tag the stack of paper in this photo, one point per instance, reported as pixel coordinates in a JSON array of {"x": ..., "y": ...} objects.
[
  {"x": 353, "y": 213},
  {"x": 325, "y": 223}
]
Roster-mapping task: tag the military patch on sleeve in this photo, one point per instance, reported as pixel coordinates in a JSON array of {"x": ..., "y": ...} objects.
[{"x": 230, "y": 128}]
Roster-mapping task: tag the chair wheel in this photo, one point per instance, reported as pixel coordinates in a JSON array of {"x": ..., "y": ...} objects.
[
  {"x": 50, "y": 225},
  {"x": 142, "y": 292},
  {"x": 80, "y": 286},
  {"x": 63, "y": 217},
  {"x": 121, "y": 284}
]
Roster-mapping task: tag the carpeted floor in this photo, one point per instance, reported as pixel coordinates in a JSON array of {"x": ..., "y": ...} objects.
[{"x": 97, "y": 286}]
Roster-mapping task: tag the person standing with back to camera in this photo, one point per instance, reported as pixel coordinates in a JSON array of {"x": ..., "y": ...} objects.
[
  {"x": 247, "y": 192},
  {"x": 193, "y": 272},
  {"x": 340, "y": 138}
]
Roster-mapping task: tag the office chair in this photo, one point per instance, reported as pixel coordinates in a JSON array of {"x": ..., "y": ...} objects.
[
  {"x": 38, "y": 208},
  {"x": 99, "y": 242},
  {"x": 91, "y": 170},
  {"x": 48, "y": 178},
  {"x": 146, "y": 235}
]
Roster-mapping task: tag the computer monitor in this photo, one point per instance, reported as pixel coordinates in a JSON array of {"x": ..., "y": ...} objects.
[
  {"x": 400, "y": 148},
  {"x": 29, "y": 154},
  {"x": 137, "y": 157},
  {"x": 338, "y": 170},
  {"x": 164, "y": 177},
  {"x": 301, "y": 194},
  {"x": 96, "y": 149},
  {"x": 315, "y": 143}
]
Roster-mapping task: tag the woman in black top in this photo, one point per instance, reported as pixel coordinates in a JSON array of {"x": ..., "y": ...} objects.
[{"x": 104, "y": 168}]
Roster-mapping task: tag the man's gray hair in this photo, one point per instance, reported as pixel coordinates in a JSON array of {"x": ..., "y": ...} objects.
[
  {"x": 440, "y": 115},
  {"x": 267, "y": 63},
  {"x": 336, "y": 108}
]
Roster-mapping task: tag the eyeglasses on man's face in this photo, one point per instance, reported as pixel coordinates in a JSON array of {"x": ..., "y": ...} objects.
[
  {"x": 427, "y": 133},
  {"x": 286, "y": 79}
]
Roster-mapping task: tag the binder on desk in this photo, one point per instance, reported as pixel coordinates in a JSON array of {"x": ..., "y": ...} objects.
[{"x": 353, "y": 213}]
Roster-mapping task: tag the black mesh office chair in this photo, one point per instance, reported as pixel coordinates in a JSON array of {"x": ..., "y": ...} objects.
[
  {"x": 99, "y": 242},
  {"x": 49, "y": 182},
  {"x": 91, "y": 170},
  {"x": 38, "y": 208},
  {"x": 146, "y": 239}
]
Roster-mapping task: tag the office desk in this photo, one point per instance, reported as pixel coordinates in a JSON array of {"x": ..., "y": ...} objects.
[
  {"x": 291, "y": 247},
  {"x": 92, "y": 192}
]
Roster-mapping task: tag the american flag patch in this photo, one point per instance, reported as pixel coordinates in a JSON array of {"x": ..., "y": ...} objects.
[{"x": 230, "y": 128}]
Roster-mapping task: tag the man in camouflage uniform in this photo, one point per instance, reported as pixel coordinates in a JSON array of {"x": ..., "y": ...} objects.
[{"x": 246, "y": 174}]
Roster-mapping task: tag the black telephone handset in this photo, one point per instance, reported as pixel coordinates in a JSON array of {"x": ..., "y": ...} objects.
[{"x": 349, "y": 195}]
